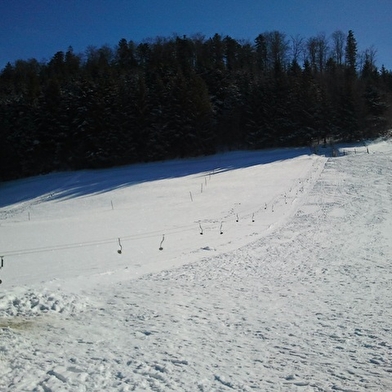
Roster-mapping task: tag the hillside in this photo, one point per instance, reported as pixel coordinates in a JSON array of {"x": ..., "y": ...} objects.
[{"x": 274, "y": 274}]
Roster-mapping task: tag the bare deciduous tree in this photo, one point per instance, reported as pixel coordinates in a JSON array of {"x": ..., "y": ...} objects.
[
  {"x": 297, "y": 48},
  {"x": 338, "y": 41},
  {"x": 368, "y": 58},
  {"x": 277, "y": 47},
  {"x": 317, "y": 51}
]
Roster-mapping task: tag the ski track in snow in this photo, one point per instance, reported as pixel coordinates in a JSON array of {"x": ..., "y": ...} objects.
[{"x": 303, "y": 307}]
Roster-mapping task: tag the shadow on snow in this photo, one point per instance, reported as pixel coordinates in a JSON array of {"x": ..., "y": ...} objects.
[{"x": 58, "y": 186}]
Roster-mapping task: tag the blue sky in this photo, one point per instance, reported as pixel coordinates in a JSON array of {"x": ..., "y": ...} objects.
[{"x": 40, "y": 28}]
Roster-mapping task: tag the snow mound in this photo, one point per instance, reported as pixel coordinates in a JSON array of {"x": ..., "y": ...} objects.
[{"x": 32, "y": 303}]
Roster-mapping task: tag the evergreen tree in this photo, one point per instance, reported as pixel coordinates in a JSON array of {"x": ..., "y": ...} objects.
[
  {"x": 351, "y": 54},
  {"x": 184, "y": 96},
  {"x": 374, "y": 111}
]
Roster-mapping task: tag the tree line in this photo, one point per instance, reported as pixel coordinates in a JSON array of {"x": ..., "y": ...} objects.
[{"x": 182, "y": 96}]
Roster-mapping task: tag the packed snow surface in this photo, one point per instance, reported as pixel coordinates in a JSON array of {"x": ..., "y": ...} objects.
[{"x": 244, "y": 271}]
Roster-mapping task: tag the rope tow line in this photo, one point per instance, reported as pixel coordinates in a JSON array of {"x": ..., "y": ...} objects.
[{"x": 134, "y": 237}]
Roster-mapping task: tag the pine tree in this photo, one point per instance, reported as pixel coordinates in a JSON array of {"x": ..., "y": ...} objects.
[{"x": 351, "y": 54}]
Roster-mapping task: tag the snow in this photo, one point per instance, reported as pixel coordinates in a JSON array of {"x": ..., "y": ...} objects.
[{"x": 286, "y": 289}]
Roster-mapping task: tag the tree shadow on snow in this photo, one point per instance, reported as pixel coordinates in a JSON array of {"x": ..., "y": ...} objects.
[{"x": 64, "y": 185}]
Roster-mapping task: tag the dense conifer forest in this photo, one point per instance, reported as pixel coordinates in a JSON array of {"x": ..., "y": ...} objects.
[{"x": 185, "y": 96}]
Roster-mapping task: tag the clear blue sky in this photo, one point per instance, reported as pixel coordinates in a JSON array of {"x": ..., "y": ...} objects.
[{"x": 40, "y": 28}]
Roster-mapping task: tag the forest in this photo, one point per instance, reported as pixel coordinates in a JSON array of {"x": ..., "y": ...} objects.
[{"x": 179, "y": 96}]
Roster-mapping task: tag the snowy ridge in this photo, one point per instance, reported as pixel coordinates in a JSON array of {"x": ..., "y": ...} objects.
[{"x": 298, "y": 300}]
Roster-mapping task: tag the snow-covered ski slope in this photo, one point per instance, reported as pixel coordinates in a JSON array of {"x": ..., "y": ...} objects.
[{"x": 275, "y": 274}]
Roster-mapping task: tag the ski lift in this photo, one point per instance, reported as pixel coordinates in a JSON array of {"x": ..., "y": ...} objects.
[
  {"x": 1, "y": 265},
  {"x": 163, "y": 239}
]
